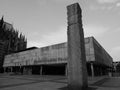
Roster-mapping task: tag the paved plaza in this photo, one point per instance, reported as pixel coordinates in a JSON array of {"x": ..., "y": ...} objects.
[{"x": 37, "y": 82}]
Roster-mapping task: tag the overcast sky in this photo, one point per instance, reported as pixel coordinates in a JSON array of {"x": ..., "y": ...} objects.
[{"x": 44, "y": 22}]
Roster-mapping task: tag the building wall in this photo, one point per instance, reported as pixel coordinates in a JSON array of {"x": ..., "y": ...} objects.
[
  {"x": 90, "y": 55},
  {"x": 46, "y": 55},
  {"x": 53, "y": 54},
  {"x": 101, "y": 56}
]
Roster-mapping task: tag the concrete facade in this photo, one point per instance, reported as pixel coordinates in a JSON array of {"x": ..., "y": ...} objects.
[{"x": 56, "y": 55}]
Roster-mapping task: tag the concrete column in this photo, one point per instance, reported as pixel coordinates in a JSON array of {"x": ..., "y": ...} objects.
[
  {"x": 11, "y": 69},
  {"x": 23, "y": 70},
  {"x": 41, "y": 69},
  {"x": 66, "y": 70},
  {"x": 30, "y": 70},
  {"x": 92, "y": 69},
  {"x": 4, "y": 69},
  {"x": 77, "y": 72},
  {"x": 101, "y": 71}
]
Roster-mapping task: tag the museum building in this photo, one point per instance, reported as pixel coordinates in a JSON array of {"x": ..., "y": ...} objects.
[{"x": 52, "y": 60}]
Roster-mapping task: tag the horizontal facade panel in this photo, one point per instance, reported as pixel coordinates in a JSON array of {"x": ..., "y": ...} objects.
[{"x": 47, "y": 55}]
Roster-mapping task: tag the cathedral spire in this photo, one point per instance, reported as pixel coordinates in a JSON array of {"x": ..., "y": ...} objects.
[
  {"x": 2, "y": 21},
  {"x": 2, "y": 18}
]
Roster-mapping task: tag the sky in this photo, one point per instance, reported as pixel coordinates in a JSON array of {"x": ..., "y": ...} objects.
[{"x": 44, "y": 22}]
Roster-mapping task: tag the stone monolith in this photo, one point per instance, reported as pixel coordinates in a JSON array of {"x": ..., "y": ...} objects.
[{"x": 77, "y": 73}]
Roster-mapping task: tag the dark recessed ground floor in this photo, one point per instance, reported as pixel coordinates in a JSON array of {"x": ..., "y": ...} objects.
[{"x": 93, "y": 69}]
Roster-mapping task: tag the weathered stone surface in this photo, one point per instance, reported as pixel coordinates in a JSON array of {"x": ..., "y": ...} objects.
[
  {"x": 74, "y": 14},
  {"x": 77, "y": 73}
]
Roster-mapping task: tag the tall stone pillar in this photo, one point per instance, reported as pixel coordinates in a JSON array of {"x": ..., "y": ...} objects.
[{"x": 77, "y": 72}]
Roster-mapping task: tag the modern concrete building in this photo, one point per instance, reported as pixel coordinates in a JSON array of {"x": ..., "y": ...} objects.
[{"x": 53, "y": 60}]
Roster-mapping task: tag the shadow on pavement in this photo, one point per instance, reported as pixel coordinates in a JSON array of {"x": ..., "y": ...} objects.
[
  {"x": 108, "y": 82},
  {"x": 19, "y": 84},
  {"x": 100, "y": 82},
  {"x": 89, "y": 88},
  {"x": 112, "y": 83}
]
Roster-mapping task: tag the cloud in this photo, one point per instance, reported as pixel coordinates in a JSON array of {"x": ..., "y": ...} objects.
[
  {"x": 107, "y": 1},
  {"x": 35, "y": 43},
  {"x": 116, "y": 30},
  {"x": 65, "y": 1},
  {"x": 58, "y": 36},
  {"x": 118, "y": 4},
  {"x": 101, "y": 7},
  {"x": 57, "y": 1},
  {"x": 50, "y": 38},
  {"x": 115, "y": 51},
  {"x": 94, "y": 30}
]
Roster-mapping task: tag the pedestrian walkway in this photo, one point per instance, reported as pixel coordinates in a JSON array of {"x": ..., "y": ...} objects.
[{"x": 37, "y": 82}]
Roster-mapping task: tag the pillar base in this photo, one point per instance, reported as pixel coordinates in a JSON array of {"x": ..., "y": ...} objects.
[{"x": 77, "y": 87}]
